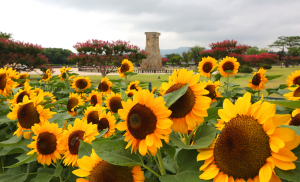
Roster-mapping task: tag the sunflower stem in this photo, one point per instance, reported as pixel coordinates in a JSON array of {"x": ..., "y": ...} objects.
[
  {"x": 161, "y": 164},
  {"x": 187, "y": 139},
  {"x": 144, "y": 166},
  {"x": 126, "y": 81},
  {"x": 227, "y": 83},
  {"x": 70, "y": 172}
]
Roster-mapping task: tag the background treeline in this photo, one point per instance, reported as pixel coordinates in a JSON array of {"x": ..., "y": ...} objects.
[{"x": 57, "y": 55}]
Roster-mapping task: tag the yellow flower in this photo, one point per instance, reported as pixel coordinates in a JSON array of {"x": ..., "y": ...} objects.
[
  {"x": 294, "y": 79},
  {"x": 80, "y": 131},
  {"x": 75, "y": 101},
  {"x": 295, "y": 121},
  {"x": 105, "y": 85},
  {"x": 228, "y": 64},
  {"x": 213, "y": 87},
  {"x": 47, "y": 143},
  {"x": 206, "y": 66},
  {"x": 134, "y": 86},
  {"x": 191, "y": 108},
  {"x": 6, "y": 82},
  {"x": 130, "y": 93},
  {"x": 80, "y": 83},
  {"x": 145, "y": 121},
  {"x": 52, "y": 97},
  {"x": 95, "y": 98},
  {"x": 113, "y": 102},
  {"x": 258, "y": 81},
  {"x": 294, "y": 95},
  {"x": 28, "y": 113},
  {"x": 47, "y": 76},
  {"x": 63, "y": 73},
  {"x": 97, "y": 169},
  {"x": 18, "y": 97},
  {"x": 161, "y": 91},
  {"x": 250, "y": 145},
  {"x": 126, "y": 66},
  {"x": 23, "y": 75}
]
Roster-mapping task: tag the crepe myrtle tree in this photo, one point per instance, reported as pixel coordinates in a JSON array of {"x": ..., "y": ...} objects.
[{"x": 107, "y": 55}]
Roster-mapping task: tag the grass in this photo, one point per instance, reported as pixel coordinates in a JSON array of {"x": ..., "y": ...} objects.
[{"x": 153, "y": 78}]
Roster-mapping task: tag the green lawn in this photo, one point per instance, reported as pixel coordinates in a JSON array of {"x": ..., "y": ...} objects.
[{"x": 153, "y": 78}]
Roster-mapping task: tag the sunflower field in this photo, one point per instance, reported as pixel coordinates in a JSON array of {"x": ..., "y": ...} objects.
[{"x": 63, "y": 128}]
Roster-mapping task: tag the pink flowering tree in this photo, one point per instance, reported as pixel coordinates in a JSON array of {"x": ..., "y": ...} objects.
[{"x": 107, "y": 55}]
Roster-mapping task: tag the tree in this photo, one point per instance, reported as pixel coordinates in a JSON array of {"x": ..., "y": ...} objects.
[
  {"x": 288, "y": 42},
  {"x": 176, "y": 59},
  {"x": 195, "y": 53},
  {"x": 57, "y": 55},
  {"x": 186, "y": 57},
  {"x": 255, "y": 50},
  {"x": 5, "y": 35},
  {"x": 107, "y": 55}
]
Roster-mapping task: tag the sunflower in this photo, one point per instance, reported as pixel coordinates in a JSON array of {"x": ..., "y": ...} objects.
[
  {"x": 161, "y": 91},
  {"x": 52, "y": 97},
  {"x": 28, "y": 113},
  {"x": 258, "y": 81},
  {"x": 153, "y": 90},
  {"x": 47, "y": 142},
  {"x": 63, "y": 73},
  {"x": 295, "y": 121},
  {"x": 80, "y": 131},
  {"x": 99, "y": 170},
  {"x": 213, "y": 87},
  {"x": 47, "y": 76},
  {"x": 75, "y": 101},
  {"x": 113, "y": 102},
  {"x": 130, "y": 93},
  {"x": 94, "y": 98},
  {"x": 105, "y": 85},
  {"x": 80, "y": 83},
  {"x": 23, "y": 75},
  {"x": 71, "y": 78},
  {"x": 191, "y": 108},
  {"x": 126, "y": 66},
  {"x": 6, "y": 82},
  {"x": 250, "y": 145},
  {"x": 228, "y": 64},
  {"x": 294, "y": 95},
  {"x": 18, "y": 97},
  {"x": 294, "y": 79},
  {"x": 146, "y": 122},
  {"x": 134, "y": 86},
  {"x": 206, "y": 66}
]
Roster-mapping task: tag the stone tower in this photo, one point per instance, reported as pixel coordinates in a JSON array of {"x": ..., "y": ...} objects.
[{"x": 153, "y": 61}]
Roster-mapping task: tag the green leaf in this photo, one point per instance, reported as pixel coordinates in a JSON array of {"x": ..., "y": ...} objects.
[
  {"x": 229, "y": 71},
  {"x": 241, "y": 76},
  {"x": 204, "y": 136},
  {"x": 14, "y": 174},
  {"x": 43, "y": 177},
  {"x": 25, "y": 156},
  {"x": 272, "y": 77},
  {"x": 248, "y": 89},
  {"x": 169, "y": 149},
  {"x": 55, "y": 103},
  {"x": 129, "y": 73},
  {"x": 5, "y": 119},
  {"x": 101, "y": 133},
  {"x": 283, "y": 91},
  {"x": 60, "y": 116},
  {"x": 123, "y": 95},
  {"x": 85, "y": 149},
  {"x": 218, "y": 77},
  {"x": 172, "y": 97},
  {"x": 23, "y": 161},
  {"x": 115, "y": 80},
  {"x": 71, "y": 90},
  {"x": 12, "y": 141},
  {"x": 212, "y": 113},
  {"x": 114, "y": 152},
  {"x": 285, "y": 103},
  {"x": 58, "y": 170}
]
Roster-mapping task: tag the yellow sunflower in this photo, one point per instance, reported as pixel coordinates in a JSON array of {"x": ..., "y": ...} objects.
[
  {"x": 206, "y": 66},
  {"x": 126, "y": 66},
  {"x": 18, "y": 97},
  {"x": 294, "y": 95},
  {"x": 80, "y": 131},
  {"x": 259, "y": 80},
  {"x": 295, "y": 121},
  {"x": 75, "y": 101},
  {"x": 47, "y": 143},
  {"x": 228, "y": 64},
  {"x": 134, "y": 86},
  {"x": 52, "y": 97},
  {"x": 250, "y": 145},
  {"x": 105, "y": 85},
  {"x": 99, "y": 170},
  {"x": 23, "y": 75},
  {"x": 191, "y": 108},
  {"x": 81, "y": 83},
  {"x": 294, "y": 79},
  {"x": 47, "y": 76},
  {"x": 130, "y": 93},
  {"x": 63, "y": 73},
  {"x": 113, "y": 102},
  {"x": 28, "y": 113},
  {"x": 213, "y": 87},
  {"x": 94, "y": 98},
  {"x": 6, "y": 82},
  {"x": 161, "y": 91},
  {"x": 71, "y": 78},
  {"x": 146, "y": 122}
]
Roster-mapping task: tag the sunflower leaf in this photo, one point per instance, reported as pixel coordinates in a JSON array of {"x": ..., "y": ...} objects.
[
  {"x": 23, "y": 161},
  {"x": 101, "y": 133},
  {"x": 55, "y": 103},
  {"x": 285, "y": 103},
  {"x": 272, "y": 77},
  {"x": 14, "y": 140},
  {"x": 172, "y": 97},
  {"x": 85, "y": 149},
  {"x": 248, "y": 89},
  {"x": 218, "y": 77},
  {"x": 123, "y": 95},
  {"x": 13, "y": 174}
]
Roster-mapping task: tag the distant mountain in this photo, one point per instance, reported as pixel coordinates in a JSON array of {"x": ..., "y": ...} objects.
[{"x": 179, "y": 50}]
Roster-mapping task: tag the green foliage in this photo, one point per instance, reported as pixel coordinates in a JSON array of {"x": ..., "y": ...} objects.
[
  {"x": 245, "y": 69},
  {"x": 195, "y": 53},
  {"x": 5, "y": 35},
  {"x": 266, "y": 66},
  {"x": 57, "y": 55}
]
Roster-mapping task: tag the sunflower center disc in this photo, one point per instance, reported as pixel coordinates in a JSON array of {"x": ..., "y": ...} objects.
[
  {"x": 207, "y": 67},
  {"x": 46, "y": 143},
  {"x": 81, "y": 83},
  {"x": 228, "y": 66},
  {"x": 3, "y": 81},
  {"x": 212, "y": 91},
  {"x": 72, "y": 103},
  {"x": 93, "y": 117},
  {"x": 94, "y": 100},
  {"x": 242, "y": 148},
  {"x": 184, "y": 104},
  {"x": 130, "y": 94},
  {"x": 297, "y": 92},
  {"x": 296, "y": 120},
  {"x": 115, "y": 104},
  {"x": 141, "y": 121},
  {"x": 296, "y": 80},
  {"x": 124, "y": 68},
  {"x": 103, "y": 124},
  {"x": 45, "y": 76},
  {"x": 28, "y": 115},
  {"x": 103, "y": 87},
  {"x": 256, "y": 79},
  {"x": 74, "y": 142},
  {"x": 21, "y": 96},
  {"x": 133, "y": 87},
  {"x": 104, "y": 172},
  {"x": 23, "y": 77}
]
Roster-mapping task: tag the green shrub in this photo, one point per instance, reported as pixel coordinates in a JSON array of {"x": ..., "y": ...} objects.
[
  {"x": 184, "y": 65},
  {"x": 245, "y": 69},
  {"x": 266, "y": 66}
]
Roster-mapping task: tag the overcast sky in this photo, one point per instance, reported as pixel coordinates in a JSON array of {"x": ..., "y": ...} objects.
[{"x": 63, "y": 23}]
